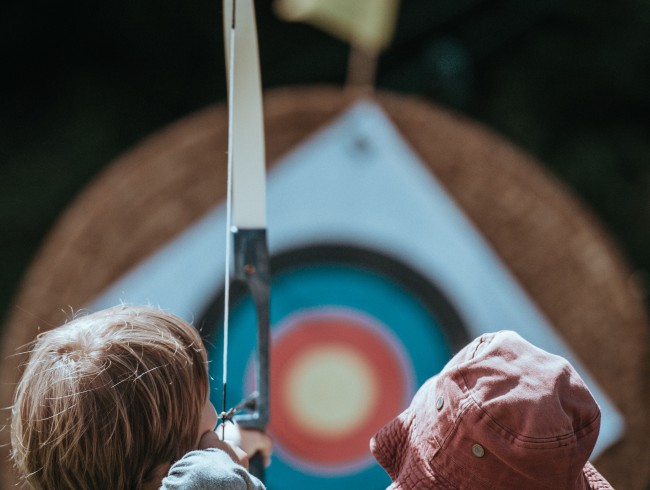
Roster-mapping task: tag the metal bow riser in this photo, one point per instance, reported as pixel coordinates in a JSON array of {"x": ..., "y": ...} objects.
[{"x": 251, "y": 267}]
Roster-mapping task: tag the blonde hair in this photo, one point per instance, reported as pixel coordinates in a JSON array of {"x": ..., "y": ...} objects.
[{"x": 107, "y": 398}]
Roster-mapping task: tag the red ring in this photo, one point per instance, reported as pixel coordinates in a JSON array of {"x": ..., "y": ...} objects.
[{"x": 352, "y": 332}]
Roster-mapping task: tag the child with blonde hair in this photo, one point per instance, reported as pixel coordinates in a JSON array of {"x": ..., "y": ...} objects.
[{"x": 119, "y": 399}]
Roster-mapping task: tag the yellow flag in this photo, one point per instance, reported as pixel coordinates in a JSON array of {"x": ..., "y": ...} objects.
[{"x": 366, "y": 24}]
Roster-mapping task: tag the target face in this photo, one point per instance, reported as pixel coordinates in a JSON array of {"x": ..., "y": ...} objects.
[{"x": 353, "y": 335}]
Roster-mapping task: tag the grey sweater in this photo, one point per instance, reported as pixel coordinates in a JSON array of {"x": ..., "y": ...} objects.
[{"x": 209, "y": 469}]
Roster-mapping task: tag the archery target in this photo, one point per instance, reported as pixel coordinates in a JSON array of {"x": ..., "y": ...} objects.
[
  {"x": 356, "y": 184},
  {"x": 351, "y": 341},
  {"x": 342, "y": 173}
]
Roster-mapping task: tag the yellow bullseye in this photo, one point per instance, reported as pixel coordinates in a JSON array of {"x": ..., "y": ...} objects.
[{"x": 330, "y": 390}]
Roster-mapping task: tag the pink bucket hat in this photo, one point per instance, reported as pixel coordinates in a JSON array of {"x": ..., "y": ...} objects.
[{"x": 502, "y": 414}]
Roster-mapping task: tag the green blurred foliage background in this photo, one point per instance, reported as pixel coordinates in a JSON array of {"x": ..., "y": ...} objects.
[{"x": 83, "y": 81}]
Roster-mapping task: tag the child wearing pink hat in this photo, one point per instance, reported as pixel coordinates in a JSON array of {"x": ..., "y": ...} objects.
[{"x": 502, "y": 414}]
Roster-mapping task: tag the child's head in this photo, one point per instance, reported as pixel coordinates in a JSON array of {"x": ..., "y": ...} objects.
[
  {"x": 108, "y": 398},
  {"x": 502, "y": 414}
]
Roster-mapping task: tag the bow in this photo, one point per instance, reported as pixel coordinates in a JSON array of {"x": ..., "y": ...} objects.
[{"x": 246, "y": 208}]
